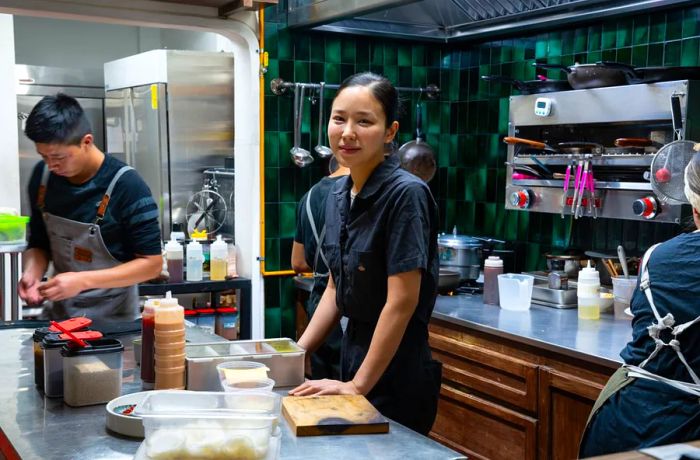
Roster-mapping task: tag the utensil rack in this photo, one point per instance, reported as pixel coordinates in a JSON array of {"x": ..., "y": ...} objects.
[{"x": 279, "y": 87}]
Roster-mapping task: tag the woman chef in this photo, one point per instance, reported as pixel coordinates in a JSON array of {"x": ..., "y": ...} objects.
[
  {"x": 381, "y": 246},
  {"x": 92, "y": 216}
]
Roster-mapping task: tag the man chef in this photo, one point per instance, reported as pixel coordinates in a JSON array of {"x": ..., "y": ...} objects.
[{"x": 92, "y": 216}]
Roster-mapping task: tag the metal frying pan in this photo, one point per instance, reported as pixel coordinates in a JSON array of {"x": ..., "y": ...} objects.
[
  {"x": 417, "y": 156},
  {"x": 636, "y": 75},
  {"x": 531, "y": 86},
  {"x": 584, "y": 76}
]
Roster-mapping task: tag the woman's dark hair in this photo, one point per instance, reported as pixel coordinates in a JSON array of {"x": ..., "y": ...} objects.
[
  {"x": 57, "y": 119},
  {"x": 381, "y": 89}
]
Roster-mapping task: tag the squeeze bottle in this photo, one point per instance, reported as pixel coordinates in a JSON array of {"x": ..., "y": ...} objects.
[
  {"x": 493, "y": 266},
  {"x": 195, "y": 261},
  {"x": 588, "y": 292},
  {"x": 174, "y": 255},
  {"x": 219, "y": 260}
]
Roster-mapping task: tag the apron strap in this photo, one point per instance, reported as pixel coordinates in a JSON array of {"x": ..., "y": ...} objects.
[
  {"x": 102, "y": 209},
  {"x": 665, "y": 322},
  {"x": 41, "y": 196},
  {"x": 638, "y": 372},
  {"x": 319, "y": 239}
]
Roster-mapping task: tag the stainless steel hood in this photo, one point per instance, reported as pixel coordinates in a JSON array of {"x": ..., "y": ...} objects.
[{"x": 448, "y": 20}]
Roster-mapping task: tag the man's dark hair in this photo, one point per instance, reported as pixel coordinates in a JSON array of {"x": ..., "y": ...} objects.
[{"x": 57, "y": 119}]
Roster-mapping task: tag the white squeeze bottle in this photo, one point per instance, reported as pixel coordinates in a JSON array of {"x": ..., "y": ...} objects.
[
  {"x": 588, "y": 292},
  {"x": 218, "y": 265},
  {"x": 195, "y": 261}
]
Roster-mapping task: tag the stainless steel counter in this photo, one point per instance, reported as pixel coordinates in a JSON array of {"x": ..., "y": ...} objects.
[
  {"x": 44, "y": 428},
  {"x": 597, "y": 341}
]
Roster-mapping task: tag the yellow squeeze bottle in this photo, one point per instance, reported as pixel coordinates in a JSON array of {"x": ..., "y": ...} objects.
[{"x": 219, "y": 260}]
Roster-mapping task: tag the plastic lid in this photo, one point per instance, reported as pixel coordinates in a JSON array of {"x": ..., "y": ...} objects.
[
  {"x": 168, "y": 301},
  {"x": 96, "y": 347},
  {"x": 84, "y": 335},
  {"x": 493, "y": 261},
  {"x": 173, "y": 245},
  {"x": 206, "y": 311},
  {"x": 40, "y": 333},
  {"x": 219, "y": 248},
  {"x": 194, "y": 248},
  {"x": 72, "y": 324},
  {"x": 227, "y": 310},
  {"x": 191, "y": 313},
  {"x": 588, "y": 274},
  {"x": 52, "y": 341}
]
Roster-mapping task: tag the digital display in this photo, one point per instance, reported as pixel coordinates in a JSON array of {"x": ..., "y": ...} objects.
[{"x": 541, "y": 104}]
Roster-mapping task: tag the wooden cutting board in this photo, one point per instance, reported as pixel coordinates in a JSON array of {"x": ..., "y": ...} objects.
[{"x": 335, "y": 414}]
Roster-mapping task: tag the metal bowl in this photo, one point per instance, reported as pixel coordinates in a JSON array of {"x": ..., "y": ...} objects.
[{"x": 572, "y": 263}]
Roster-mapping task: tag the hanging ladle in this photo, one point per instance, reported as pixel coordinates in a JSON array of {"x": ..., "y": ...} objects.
[
  {"x": 322, "y": 150},
  {"x": 300, "y": 156}
]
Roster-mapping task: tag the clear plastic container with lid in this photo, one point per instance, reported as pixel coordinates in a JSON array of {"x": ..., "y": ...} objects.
[
  {"x": 174, "y": 254},
  {"x": 493, "y": 266},
  {"x": 219, "y": 260},
  {"x": 92, "y": 375},
  {"x": 195, "y": 261},
  {"x": 588, "y": 292}
]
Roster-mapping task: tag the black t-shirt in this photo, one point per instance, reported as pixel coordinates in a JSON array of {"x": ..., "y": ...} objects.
[
  {"x": 390, "y": 228},
  {"x": 130, "y": 225},
  {"x": 304, "y": 233}
]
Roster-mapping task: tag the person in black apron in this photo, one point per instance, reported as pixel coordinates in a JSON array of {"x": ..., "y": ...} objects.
[
  {"x": 381, "y": 247},
  {"x": 93, "y": 217},
  {"x": 308, "y": 256},
  {"x": 654, "y": 398}
]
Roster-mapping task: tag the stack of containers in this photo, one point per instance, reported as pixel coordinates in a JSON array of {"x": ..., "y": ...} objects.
[
  {"x": 148, "y": 318},
  {"x": 169, "y": 336}
]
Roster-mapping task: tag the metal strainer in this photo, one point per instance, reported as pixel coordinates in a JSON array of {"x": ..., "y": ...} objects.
[{"x": 668, "y": 171}]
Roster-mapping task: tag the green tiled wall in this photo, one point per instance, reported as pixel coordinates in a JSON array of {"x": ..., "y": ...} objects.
[{"x": 465, "y": 127}]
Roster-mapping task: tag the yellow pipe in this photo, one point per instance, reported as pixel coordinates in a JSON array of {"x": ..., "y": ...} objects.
[{"x": 261, "y": 52}]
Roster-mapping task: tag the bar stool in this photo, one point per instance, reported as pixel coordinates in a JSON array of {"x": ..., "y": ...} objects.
[{"x": 14, "y": 250}]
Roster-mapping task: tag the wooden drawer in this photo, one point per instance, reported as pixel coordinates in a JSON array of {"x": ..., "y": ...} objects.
[
  {"x": 482, "y": 429},
  {"x": 487, "y": 372}
]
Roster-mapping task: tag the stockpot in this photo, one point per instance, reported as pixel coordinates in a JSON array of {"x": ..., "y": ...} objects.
[{"x": 461, "y": 253}]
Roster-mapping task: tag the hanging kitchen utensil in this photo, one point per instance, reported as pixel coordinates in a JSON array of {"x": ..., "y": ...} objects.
[
  {"x": 417, "y": 156},
  {"x": 668, "y": 166},
  {"x": 300, "y": 156},
  {"x": 529, "y": 143},
  {"x": 637, "y": 75},
  {"x": 531, "y": 86},
  {"x": 584, "y": 76},
  {"x": 623, "y": 260},
  {"x": 322, "y": 150}
]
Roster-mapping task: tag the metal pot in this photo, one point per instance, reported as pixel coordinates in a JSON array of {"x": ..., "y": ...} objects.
[
  {"x": 417, "y": 156},
  {"x": 572, "y": 263},
  {"x": 461, "y": 253}
]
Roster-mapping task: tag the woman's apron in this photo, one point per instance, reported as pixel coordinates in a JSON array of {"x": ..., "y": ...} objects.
[
  {"x": 77, "y": 247},
  {"x": 628, "y": 373}
]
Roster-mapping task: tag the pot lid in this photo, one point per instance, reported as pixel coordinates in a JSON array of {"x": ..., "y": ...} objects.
[{"x": 454, "y": 240}]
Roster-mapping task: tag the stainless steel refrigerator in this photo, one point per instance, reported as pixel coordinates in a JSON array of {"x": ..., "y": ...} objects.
[
  {"x": 169, "y": 114},
  {"x": 35, "y": 82}
]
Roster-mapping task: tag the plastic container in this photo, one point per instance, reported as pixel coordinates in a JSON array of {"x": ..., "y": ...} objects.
[
  {"x": 136, "y": 344},
  {"x": 282, "y": 356},
  {"x": 174, "y": 254},
  {"x": 53, "y": 365},
  {"x": 92, "y": 375},
  {"x": 493, "y": 266},
  {"x": 206, "y": 317},
  {"x": 226, "y": 325},
  {"x": 249, "y": 385},
  {"x": 13, "y": 229},
  {"x": 623, "y": 291},
  {"x": 236, "y": 371},
  {"x": 515, "y": 291},
  {"x": 195, "y": 261},
  {"x": 148, "y": 376},
  {"x": 185, "y": 424},
  {"x": 37, "y": 337},
  {"x": 218, "y": 268},
  {"x": 588, "y": 293}
]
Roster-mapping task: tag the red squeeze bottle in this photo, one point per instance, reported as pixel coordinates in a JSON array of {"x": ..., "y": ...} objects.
[{"x": 148, "y": 322}]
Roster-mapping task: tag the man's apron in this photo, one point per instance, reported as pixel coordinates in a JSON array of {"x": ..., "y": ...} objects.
[
  {"x": 78, "y": 247},
  {"x": 628, "y": 373}
]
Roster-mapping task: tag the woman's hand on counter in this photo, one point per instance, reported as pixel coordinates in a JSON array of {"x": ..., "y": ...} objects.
[{"x": 325, "y": 387}]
